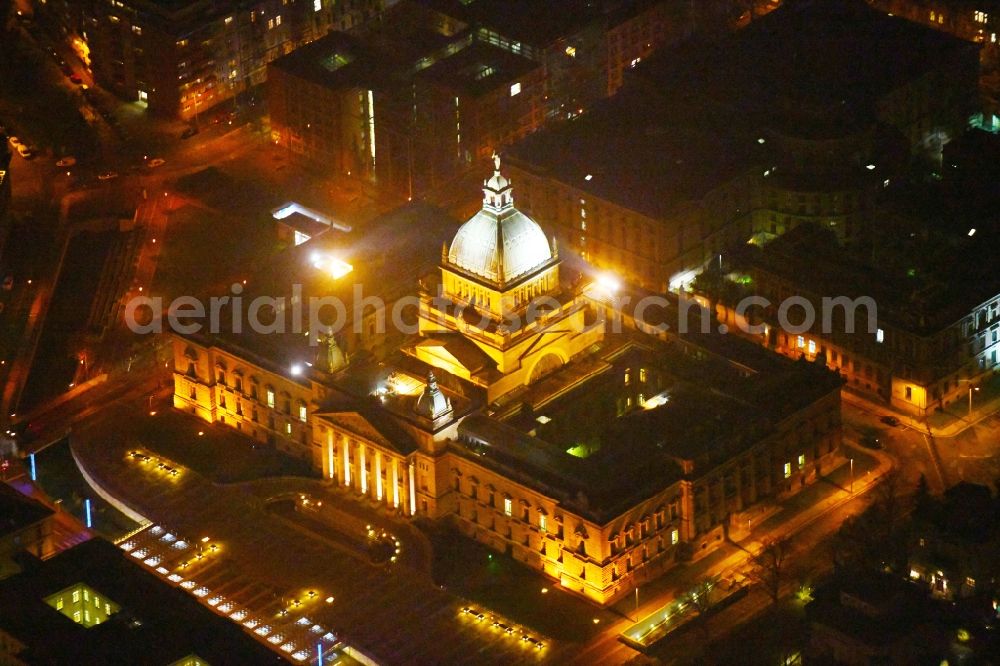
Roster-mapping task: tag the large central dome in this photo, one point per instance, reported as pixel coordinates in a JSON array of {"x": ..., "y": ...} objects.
[{"x": 499, "y": 243}]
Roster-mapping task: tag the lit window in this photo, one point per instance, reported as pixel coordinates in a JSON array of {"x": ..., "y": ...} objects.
[
  {"x": 76, "y": 596},
  {"x": 288, "y": 428},
  {"x": 302, "y": 413},
  {"x": 270, "y": 24},
  {"x": 270, "y": 398},
  {"x": 277, "y": 20},
  {"x": 982, "y": 17},
  {"x": 879, "y": 336},
  {"x": 800, "y": 342},
  {"x": 571, "y": 51},
  {"x": 542, "y": 520},
  {"x": 812, "y": 346},
  {"x": 788, "y": 469},
  {"x": 317, "y": 5},
  {"x": 515, "y": 88},
  {"x": 137, "y": 30},
  {"x": 802, "y": 461},
  {"x": 635, "y": 61},
  {"x": 642, "y": 375},
  {"x": 675, "y": 536},
  {"x": 914, "y": 574},
  {"x": 507, "y": 506},
  {"x": 59, "y": 604},
  {"x": 970, "y": 582},
  {"x": 628, "y": 376}
]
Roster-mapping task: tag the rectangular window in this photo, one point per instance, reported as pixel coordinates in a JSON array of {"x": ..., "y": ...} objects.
[
  {"x": 317, "y": 5},
  {"x": 674, "y": 537},
  {"x": 515, "y": 89},
  {"x": 76, "y": 596},
  {"x": 802, "y": 461},
  {"x": 879, "y": 336},
  {"x": 302, "y": 413},
  {"x": 800, "y": 342},
  {"x": 788, "y": 469},
  {"x": 507, "y": 506},
  {"x": 542, "y": 520},
  {"x": 288, "y": 428},
  {"x": 642, "y": 375},
  {"x": 270, "y": 398},
  {"x": 812, "y": 346}
]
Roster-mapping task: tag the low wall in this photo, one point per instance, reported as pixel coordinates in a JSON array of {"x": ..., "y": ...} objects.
[{"x": 105, "y": 495}]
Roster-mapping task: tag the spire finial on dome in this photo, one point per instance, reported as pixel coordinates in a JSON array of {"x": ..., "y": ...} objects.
[{"x": 497, "y": 194}]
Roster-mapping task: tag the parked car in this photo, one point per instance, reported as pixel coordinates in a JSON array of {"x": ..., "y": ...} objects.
[
  {"x": 107, "y": 175},
  {"x": 155, "y": 162},
  {"x": 75, "y": 78},
  {"x": 25, "y": 151},
  {"x": 890, "y": 420},
  {"x": 66, "y": 162}
]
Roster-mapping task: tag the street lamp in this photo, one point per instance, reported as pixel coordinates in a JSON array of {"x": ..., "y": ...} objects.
[
  {"x": 971, "y": 389},
  {"x": 636, "y": 603},
  {"x": 852, "y": 476}
]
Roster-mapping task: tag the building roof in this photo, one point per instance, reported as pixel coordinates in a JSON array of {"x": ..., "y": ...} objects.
[
  {"x": 387, "y": 256},
  {"x": 18, "y": 511},
  {"x": 499, "y": 243},
  {"x": 710, "y": 412},
  {"x": 534, "y": 22},
  {"x": 689, "y": 120},
  {"x": 478, "y": 69},
  {"x": 336, "y": 61},
  {"x": 811, "y": 67},
  {"x": 921, "y": 280},
  {"x": 639, "y": 152},
  {"x": 157, "y": 624}
]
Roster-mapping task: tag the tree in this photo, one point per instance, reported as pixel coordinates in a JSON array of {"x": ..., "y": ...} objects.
[
  {"x": 768, "y": 568},
  {"x": 922, "y": 498},
  {"x": 699, "y": 600}
]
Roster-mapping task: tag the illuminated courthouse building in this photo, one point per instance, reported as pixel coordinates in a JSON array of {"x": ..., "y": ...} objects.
[
  {"x": 711, "y": 144},
  {"x": 599, "y": 458}
]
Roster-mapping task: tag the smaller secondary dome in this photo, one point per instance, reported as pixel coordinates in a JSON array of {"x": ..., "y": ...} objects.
[
  {"x": 499, "y": 243},
  {"x": 432, "y": 403}
]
